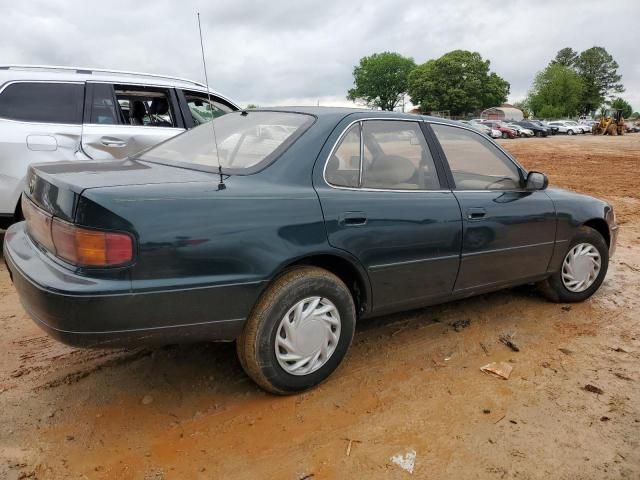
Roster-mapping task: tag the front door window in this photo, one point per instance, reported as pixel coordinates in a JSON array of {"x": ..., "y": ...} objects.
[{"x": 476, "y": 163}]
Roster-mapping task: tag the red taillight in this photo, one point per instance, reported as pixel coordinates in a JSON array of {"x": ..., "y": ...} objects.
[
  {"x": 79, "y": 246},
  {"x": 90, "y": 248}
]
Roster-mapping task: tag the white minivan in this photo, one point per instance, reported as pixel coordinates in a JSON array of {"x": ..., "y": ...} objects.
[{"x": 65, "y": 113}]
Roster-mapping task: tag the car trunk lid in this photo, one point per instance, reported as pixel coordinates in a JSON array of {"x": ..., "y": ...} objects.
[{"x": 55, "y": 187}]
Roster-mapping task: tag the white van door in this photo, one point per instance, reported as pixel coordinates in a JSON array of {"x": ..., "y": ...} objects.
[
  {"x": 39, "y": 122},
  {"x": 122, "y": 120}
]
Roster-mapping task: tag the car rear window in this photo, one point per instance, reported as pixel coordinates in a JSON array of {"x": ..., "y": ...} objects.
[
  {"x": 43, "y": 102},
  {"x": 245, "y": 141}
]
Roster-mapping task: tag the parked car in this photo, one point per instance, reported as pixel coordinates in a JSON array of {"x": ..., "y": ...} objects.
[
  {"x": 505, "y": 132},
  {"x": 582, "y": 128},
  {"x": 538, "y": 129},
  {"x": 58, "y": 113},
  {"x": 477, "y": 126},
  {"x": 585, "y": 126},
  {"x": 522, "y": 132},
  {"x": 550, "y": 129},
  {"x": 486, "y": 129},
  {"x": 630, "y": 127},
  {"x": 495, "y": 133},
  {"x": 566, "y": 127},
  {"x": 282, "y": 244}
]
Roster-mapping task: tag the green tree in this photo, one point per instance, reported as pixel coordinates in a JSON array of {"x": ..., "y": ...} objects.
[
  {"x": 380, "y": 80},
  {"x": 250, "y": 106},
  {"x": 556, "y": 92},
  {"x": 459, "y": 81},
  {"x": 566, "y": 57},
  {"x": 621, "y": 104},
  {"x": 600, "y": 77}
]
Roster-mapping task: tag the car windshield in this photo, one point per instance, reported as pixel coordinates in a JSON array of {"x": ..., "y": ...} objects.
[{"x": 244, "y": 140}]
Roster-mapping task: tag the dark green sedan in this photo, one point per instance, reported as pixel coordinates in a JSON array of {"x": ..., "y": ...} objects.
[{"x": 280, "y": 229}]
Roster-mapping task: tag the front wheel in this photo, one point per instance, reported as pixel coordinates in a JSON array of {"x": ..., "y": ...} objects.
[
  {"x": 570, "y": 132},
  {"x": 298, "y": 332},
  {"x": 505, "y": 135},
  {"x": 582, "y": 271}
]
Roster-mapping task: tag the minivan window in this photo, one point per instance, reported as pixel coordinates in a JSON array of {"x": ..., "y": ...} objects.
[
  {"x": 145, "y": 106},
  {"x": 476, "y": 164},
  {"x": 201, "y": 109},
  {"x": 43, "y": 102},
  {"x": 244, "y": 140},
  {"x": 103, "y": 109}
]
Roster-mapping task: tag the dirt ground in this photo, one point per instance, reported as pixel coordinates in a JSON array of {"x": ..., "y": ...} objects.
[{"x": 411, "y": 385}]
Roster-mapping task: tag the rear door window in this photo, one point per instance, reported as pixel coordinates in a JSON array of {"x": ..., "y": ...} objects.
[
  {"x": 396, "y": 157},
  {"x": 43, "y": 102},
  {"x": 145, "y": 106},
  {"x": 343, "y": 168},
  {"x": 104, "y": 110}
]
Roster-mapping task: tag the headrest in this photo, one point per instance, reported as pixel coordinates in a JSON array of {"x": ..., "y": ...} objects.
[
  {"x": 137, "y": 109},
  {"x": 390, "y": 169},
  {"x": 159, "y": 106}
]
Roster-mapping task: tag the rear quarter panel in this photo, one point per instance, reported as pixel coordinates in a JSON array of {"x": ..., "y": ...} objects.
[{"x": 193, "y": 234}]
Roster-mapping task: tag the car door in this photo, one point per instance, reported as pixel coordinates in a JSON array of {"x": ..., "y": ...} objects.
[
  {"x": 385, "y": 201},
  {"x": 40, "y": 121},
  {"x": 508, "y": 232},
  {"x": 122, "y": 120}
]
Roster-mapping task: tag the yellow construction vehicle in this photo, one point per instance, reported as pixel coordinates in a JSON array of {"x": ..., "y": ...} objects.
[{"x": 611, "y": 123}]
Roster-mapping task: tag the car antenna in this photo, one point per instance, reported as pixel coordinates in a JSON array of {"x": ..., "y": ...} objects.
[{"x": 221, "y": 185}]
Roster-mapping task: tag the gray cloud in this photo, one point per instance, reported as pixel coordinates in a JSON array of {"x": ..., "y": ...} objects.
[{"x": 300, "y": 51}]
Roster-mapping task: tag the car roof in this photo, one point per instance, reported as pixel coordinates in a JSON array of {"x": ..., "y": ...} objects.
[
  {"x": 340, "y": 112},
  {"x": 9, "y": 73}
]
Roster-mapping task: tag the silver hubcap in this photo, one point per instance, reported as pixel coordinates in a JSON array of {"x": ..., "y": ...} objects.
[
  {"x": 581, "y": 267},
  {"x": 307, "y": 336}
]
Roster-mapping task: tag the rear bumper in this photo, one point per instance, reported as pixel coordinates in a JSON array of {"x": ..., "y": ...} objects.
[{"x": 83, "y": 311}]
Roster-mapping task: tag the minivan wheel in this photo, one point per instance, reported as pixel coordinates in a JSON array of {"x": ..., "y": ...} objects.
[
  {"x": 298, "y": 332},
  {"x": 583, "y": 268},
  {"x": 570, "y": 132}
]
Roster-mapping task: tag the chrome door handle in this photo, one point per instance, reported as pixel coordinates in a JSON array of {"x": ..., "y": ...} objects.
[{"x": 112, "y": 142}]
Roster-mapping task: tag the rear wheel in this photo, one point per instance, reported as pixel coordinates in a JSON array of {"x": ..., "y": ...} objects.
[
  {"x": 538, "y": 133},
  {"x": 570, "y": 132},
  {"x": 582, "y": 271},
  {"x": 505, "y": 135},
  {"x": 298, "y": 332}
]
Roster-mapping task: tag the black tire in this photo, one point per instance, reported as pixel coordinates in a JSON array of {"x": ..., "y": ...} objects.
[
  {"x": 505, "y": 135},
  {"x": 553, "y": 287},
  {"x": 538, "y": 133},
  {"x": 570, "y": 132},
  {"x": 256, "y": 344}
]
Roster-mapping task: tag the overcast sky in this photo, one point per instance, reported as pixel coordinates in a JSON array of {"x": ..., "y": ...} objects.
[{"x": 300, "y": 52}]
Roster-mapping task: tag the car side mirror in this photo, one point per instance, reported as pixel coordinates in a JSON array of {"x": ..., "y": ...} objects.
[{"x": 536, "y": 181}]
